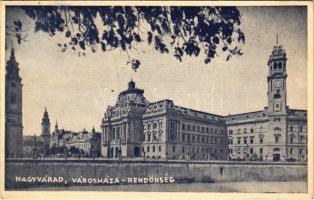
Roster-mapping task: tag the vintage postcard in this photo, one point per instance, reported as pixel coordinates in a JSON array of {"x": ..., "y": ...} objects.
[{"x": 154, "y": 99}]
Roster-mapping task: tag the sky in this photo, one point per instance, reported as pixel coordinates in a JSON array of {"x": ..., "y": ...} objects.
[{"x": 77, "y": 90}]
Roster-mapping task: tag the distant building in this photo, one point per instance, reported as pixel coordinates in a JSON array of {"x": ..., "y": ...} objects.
[
  {"x": 39, "y": 145},
  {"x": 13, "y": 109},
  {"x": 276, "y": 132},
  {"x": 160, "y": 130},
  {"x": 45, "y": 129},
  {"x": 84, "y": 143}
]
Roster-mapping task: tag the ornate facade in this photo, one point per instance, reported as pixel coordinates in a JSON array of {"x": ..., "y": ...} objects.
[
  {"x": 13, "y": 109},
  {"x": 135, "y": 127}
]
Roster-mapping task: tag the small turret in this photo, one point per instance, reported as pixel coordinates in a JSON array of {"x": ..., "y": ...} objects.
[
  {"x": 131, "y": 85},
  {"x": 45, "y": 123},
  {"x": 13, "y": 67},
  {"x": 56, "y": 126}
]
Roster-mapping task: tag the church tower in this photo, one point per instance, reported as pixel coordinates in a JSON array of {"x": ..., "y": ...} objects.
[
  {"x": 45, "y": 129},
  {"x": 277, "y": 90},
  {"x": 13, "y": 109}
]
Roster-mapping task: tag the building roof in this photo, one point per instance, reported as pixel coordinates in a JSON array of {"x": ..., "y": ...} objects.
[
  {"x": 131, "y": 95},
  {"x": 168, "y": 105}
]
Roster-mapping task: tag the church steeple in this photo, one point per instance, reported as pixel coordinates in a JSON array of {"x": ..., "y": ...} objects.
[
  {"x": 12, "y": 68},
  {"x": 45, "y": 123},
  {"x": 56, "y": 126},
  {"x": 45, "y": 129},
  {"x": 13, "y": 108}
]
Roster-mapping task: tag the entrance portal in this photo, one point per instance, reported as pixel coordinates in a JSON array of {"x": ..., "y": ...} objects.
[
  {"x": 276, "y": 154},
  {"x": 137, "y": 152}
]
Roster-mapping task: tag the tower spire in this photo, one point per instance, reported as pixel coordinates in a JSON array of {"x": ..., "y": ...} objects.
[
  {"x": 277, "y": 39},
  {"x": 12, "y": 53}
]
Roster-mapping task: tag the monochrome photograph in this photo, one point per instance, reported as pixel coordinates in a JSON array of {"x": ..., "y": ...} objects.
[{"x": 156, "y": 98}]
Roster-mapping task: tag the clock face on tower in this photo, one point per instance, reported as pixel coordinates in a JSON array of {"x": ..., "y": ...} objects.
[{"x": 277, "y": 83}]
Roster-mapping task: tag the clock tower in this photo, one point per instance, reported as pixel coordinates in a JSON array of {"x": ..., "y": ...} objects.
[{"x": 276, "y": 79}]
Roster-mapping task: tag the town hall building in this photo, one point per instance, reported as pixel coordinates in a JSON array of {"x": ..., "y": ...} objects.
[{"x": 276, "y": 132}]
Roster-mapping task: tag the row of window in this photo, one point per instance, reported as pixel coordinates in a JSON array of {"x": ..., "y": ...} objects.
[
  {"x": 152, "y": 148},
  {"x": 202, "y": 129},
  {"x": 252, "y": 130},
  {"x": 186, "y": 137},
  {"x": 245, "y": 130},
  {"x": 250, "y": 140},
  {"x": 300, "y": 128},
  {"x": 301, "y": 151},
  {"x": 246, "y": 140},
  {"x": 151, "y": 137},
  {"x": 193, "y": 149},
  {"x": 117, "y": 135},
  {"x": 251, "y": 151},
  {"x": 302, "y": 139},
  {"x": 152, "y": 125}
]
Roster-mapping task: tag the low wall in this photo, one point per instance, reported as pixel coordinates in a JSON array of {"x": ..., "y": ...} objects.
[{"x": 218, "y": 170}]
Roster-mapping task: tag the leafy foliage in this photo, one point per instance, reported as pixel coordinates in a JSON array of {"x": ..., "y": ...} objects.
[
  {"x": 187, "y": 31},
  {"x": 16, "y": 31}
]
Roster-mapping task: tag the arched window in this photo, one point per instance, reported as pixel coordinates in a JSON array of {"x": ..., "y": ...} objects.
[
  {"x": 277, "y": 96},
  {"x": 277, "y": 130},
  {"x": 280, "y": 65},
  {"x": 277, "y": 134},
  {"x": 275, "y": 65},
  {"x": 291, "y": 138},
  {"x": 276, "y": 139}
]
